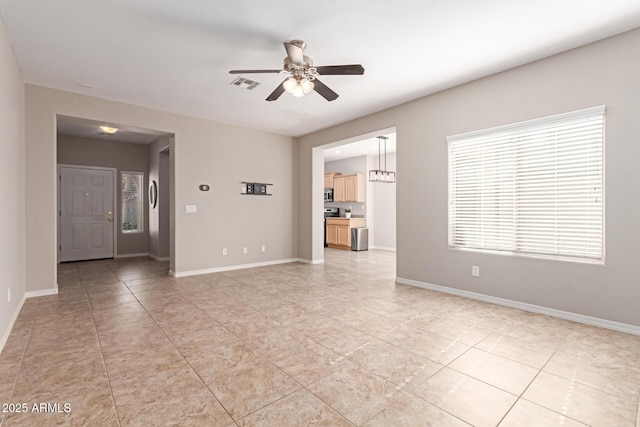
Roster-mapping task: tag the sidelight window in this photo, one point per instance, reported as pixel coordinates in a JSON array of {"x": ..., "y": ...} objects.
[{"x": 132, "y": 202}]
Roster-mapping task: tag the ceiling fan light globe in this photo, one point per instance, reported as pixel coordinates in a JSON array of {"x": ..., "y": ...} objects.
[
  {"x": 307, "y": 85},
  {"x": 298, "y": 92},
  {"x": 290, "y": 84}
]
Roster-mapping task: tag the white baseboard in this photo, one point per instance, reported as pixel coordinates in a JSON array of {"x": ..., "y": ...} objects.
[
  {"x": 230, "y": 268},
  {"x": 42, "y": 293},
  {"x": 310, "y": 261},
  {"x": 12, "y": 322},
  {"x": 132, "y": 255},
  {"x": 158, "y": 258},
  {"x": 383, "y": 248},
  {"x": 580, "y": 318}
]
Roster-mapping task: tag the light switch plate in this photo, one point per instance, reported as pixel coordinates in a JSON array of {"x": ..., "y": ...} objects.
[{"x": 192, "y": 208}]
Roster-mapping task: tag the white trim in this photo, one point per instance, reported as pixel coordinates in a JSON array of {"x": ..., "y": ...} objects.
[
  {"x": 310, "y": 261},
  {"x": 230, "y": 267},
  {"x": 159, "y": 258},
  {"x": 14, "y": 317},
  {"x": 383, "y": 248},
  {"x": 42, "y": 293},
  {"x": 599, "y": 109},
  {"x": 574, "y": 317},
  {"x": 132, "y": 255}
]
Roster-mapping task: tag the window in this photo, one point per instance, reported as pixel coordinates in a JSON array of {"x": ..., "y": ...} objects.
[
  {"x": 532, "y": 188},
  {"x": 132, "y": 220}
]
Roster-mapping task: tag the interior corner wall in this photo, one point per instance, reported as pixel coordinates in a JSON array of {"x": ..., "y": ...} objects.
[
  {"x": 12, "y": 187},
  {"x": 605, "y": 72},
  {"x": 159, "y": 216},
  {"x": 202, "y": 152}
]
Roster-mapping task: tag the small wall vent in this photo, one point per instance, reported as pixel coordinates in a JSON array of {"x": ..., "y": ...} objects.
[{"x": 245, "y": 83}]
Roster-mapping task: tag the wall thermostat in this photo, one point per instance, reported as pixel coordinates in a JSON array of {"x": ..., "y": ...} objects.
[{"x": 204, "y": 187}]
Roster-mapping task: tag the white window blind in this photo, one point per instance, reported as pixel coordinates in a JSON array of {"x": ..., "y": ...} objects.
[
  {"x": 132, "y": 203},
  {"x": 534, "y": 187}
]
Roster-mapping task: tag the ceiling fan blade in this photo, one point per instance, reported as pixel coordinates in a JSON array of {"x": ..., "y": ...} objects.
[
  {"x": 326, "y": 70},
  {"x": 253, "y": 71},
  {"x": 295, "y": 54},
  {"x": 323, "y": 90},
  {"x": 276, "y": 93}
]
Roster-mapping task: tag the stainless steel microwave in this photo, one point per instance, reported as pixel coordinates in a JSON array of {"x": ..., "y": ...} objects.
[{"x": 328, "y": 194}]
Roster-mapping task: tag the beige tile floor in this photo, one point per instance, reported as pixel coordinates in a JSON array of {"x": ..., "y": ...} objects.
[{"x": 338, "y": 344}]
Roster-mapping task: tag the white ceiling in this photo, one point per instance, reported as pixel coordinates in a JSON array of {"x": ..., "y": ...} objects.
[
  {"x": 91, "y": 129},
  {"x": 175, "y": 55},
  {"x": 364, "y": 147}
]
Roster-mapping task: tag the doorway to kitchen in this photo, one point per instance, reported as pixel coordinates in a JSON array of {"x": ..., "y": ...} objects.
[{"x": 372, "y": 205}]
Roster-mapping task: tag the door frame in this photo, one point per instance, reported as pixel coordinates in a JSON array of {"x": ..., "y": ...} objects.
[{"x": 59, "y": 204}]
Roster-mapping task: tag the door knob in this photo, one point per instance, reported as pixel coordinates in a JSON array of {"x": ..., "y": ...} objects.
[
  {"x": 109, "y": 219},
  {"x": 109, "y": 213}
]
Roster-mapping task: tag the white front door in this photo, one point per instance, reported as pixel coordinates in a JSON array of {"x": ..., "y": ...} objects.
[{"x": 86, "y": 213}]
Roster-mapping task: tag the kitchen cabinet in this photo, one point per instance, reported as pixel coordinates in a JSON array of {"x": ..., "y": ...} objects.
[
  {"x": 349, "y": 188},
  {"x": 328, "y": 179},
  {"x": 339, "y": 231}
]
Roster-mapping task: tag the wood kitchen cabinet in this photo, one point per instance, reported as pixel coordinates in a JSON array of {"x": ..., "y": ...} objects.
[
  {"x": 349, "y": 188},
  {"x": 328, "y": 179},
  {"x": 339, "y": 231}
]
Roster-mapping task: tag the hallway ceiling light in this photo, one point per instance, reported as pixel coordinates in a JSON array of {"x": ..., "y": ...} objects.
[
  {"x": 380, "y": 175},
  {"x": 108, "y": 130}
]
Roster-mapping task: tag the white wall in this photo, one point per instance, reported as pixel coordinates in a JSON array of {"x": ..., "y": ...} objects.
[
  {"x": 201, "y": 152},
  {"x": 12, "y": 187},
  {"x": 606, "y": 73},
  {"x": 384, "y": 207}
]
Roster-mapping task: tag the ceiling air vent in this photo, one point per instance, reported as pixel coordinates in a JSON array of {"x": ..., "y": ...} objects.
[{"x": 245, "y": 83}]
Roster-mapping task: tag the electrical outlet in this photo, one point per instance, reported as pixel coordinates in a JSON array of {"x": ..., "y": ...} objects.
[
  {"x": 9, "y": 295},
  {"x": 245, "y": 250},
  {"x": 224, "y": 251},
  {"x": 264, "y": 248},
  {"x": 475, "y": 271}
]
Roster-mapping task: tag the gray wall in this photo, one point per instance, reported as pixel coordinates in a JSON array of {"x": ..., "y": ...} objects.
[
  {"x": 12, "y": 176},
  {"x": 605, "y": 72},
  {"x": 73, "y": 150}
]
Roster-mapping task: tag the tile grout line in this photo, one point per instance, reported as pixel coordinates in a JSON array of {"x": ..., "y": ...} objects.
[
  {"x": 24, "y": 351},
  {"x": 104, "y": 362},
  {"x": 178, "y": 350}
]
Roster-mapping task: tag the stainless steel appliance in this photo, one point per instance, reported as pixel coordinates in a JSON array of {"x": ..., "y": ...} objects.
[
  {"x": 329, "y": 213},
  {"x": 359, "y": 239},
  {"x": 328, "y": 195}
]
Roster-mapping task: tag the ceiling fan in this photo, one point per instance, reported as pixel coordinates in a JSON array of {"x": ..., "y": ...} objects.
[{"x": 303, "y": 75}]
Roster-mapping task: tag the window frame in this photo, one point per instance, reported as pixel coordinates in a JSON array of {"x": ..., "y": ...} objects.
[{"x": 539, "y": 124}]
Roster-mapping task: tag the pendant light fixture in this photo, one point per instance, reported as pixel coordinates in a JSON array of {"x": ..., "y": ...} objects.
[{"x": 380, "y": 175}]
